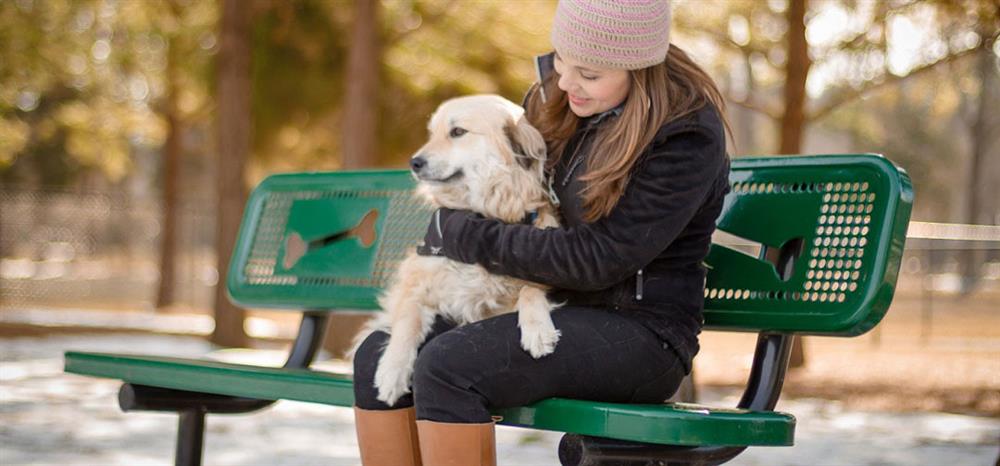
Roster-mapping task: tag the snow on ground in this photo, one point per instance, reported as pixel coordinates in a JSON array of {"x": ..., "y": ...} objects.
[{"x": 48, "y": 417}]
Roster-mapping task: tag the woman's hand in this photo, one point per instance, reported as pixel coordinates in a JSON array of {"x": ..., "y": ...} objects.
[{"x": 434, "y": 238}]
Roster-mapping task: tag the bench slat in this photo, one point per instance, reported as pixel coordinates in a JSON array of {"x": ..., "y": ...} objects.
[
  {"x": 668, "y": 424},
  {"x": 672, "y": 424},
  {"x": 221, "y": 378}
]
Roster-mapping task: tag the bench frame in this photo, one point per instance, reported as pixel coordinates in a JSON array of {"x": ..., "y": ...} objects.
[
  {"x": 764, "y": 384},
  {"x": 763, "y": 389}
]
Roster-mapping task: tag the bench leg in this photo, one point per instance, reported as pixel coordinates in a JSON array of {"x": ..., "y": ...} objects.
[
  {"x": 193, "y": 406},
  {"x": 190, "y": 437}
]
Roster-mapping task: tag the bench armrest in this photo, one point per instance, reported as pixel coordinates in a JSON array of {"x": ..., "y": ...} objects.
[
  {"x": 312, "y": 329},
  {"x": 767, "y": 375}
]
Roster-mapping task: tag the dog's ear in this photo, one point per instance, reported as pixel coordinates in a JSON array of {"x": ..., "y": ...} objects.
[{"x": 526, "y": 142}]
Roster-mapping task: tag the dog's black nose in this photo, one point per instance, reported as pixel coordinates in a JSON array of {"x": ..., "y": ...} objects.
[{"x": 417, "y": 163}]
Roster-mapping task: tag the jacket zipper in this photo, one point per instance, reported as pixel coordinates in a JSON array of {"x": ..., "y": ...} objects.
[
  {"x": 638, "y": 285},
  {"x": 574, "y": 160}
]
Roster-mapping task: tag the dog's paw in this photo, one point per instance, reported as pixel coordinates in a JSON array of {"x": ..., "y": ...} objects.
[
  {"x": 392, "y": 381},
  {"x": 539, "y": 339}
]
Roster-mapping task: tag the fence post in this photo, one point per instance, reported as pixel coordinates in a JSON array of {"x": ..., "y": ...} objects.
[{"x": 927, "y": 306}]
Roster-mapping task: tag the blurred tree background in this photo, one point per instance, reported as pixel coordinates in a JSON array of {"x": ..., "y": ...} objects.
[{"x": 144, "y": 97}]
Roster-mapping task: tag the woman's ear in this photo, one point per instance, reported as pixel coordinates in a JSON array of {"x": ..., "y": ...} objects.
[{"x": 526, "y": 142}]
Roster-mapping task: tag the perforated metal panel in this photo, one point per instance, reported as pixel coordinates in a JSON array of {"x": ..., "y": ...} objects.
[
  {"x": 831, "y": 230},
  {"x": 342, "y": 274}
]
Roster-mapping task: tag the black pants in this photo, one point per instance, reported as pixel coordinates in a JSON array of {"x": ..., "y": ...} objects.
[{"x": 463, "y": 372}]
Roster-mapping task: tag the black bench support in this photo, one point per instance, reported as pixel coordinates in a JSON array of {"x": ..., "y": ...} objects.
[
  {"x": 307, "y": 342},
  {"x": 190, "y": 437},
  {"x": 767, "y": 375},
  {"x": 193, "y": 406}
]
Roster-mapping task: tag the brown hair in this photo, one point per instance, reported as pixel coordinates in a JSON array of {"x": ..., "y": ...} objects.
[{"x": 659, "y": 94}]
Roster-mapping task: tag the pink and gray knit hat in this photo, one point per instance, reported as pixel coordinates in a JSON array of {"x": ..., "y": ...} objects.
[{"x": 620, "y": 34}]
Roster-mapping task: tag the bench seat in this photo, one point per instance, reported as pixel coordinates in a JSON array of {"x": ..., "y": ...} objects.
[{"x": 671, "y": 423}]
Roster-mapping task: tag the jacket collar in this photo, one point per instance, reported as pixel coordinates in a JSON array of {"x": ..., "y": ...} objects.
[{"x": 595, "y": 120}]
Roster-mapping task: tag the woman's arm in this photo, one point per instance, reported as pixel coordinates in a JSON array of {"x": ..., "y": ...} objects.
[{"x": 664, "y": 193}]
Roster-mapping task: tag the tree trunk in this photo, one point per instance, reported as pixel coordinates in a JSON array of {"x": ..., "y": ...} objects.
[
  {"x": 361, "y": 104},
  {"x": 746, "y": 118},
  {"x": 796, "y": 72},
  {"x": 793, "y": 120},
  {"x": 233, "y": 112},
  {"x": 3, "y": 248},
  {"x": 360, "y": 119},
  {"x": 972, "y": 260},
  {"x": 171, "y": 155}
]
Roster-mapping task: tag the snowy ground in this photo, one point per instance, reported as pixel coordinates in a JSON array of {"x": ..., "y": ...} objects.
[{"x": 47, "y": 417}]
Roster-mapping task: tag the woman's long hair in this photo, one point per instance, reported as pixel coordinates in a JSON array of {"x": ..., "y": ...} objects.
[{"x": 659, "y": 94}]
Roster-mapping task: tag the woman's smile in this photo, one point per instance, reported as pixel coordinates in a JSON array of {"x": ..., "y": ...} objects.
[{"x": 577, "y": 101}]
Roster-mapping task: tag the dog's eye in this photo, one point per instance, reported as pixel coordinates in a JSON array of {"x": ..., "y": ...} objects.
[{"x": 457, "y": 132}]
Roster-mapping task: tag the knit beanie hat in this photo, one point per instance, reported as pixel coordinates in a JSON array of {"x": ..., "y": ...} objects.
[{"x": 618, "y": 34}]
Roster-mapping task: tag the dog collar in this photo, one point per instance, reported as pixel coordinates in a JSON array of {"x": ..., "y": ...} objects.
[{"x": 530, "y": 217}]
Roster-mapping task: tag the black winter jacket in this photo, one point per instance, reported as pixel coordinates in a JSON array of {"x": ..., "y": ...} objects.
[{"x": 645, "y": 257}]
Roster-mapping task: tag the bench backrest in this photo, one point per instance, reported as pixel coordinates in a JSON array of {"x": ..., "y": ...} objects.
[{"x": 813, "y": 246}]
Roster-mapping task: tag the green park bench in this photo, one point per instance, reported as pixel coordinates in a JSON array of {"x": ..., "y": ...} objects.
[{"x": 815, "y": 247}]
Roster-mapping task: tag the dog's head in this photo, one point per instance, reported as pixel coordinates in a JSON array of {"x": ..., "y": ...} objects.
[{"x": 480, "y": 146}]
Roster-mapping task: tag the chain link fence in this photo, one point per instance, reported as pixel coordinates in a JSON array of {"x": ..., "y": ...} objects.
[
  {"x": 99, "y": 250},
  {"x": 953, "y": 271}
]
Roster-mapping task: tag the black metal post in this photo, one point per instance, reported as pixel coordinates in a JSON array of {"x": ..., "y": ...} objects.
[
  {"x": 307, "y": 342},
  {"x": 768, "y": 372},
  {"x": 190, "y": 437},
  {"x": 927, "y": 309},
  {"x": 193, "y": 406}
]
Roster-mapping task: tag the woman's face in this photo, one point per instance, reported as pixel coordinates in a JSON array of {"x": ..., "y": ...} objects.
[{"x": 590, "y": 89}]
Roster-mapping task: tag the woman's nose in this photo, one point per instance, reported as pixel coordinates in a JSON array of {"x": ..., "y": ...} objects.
[{"x": 565, "y": 83}]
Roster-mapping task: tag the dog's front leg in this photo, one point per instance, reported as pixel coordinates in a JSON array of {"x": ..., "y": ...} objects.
[
  {"x": 538, "y": 335},
  {"x": 395, "y": 367}
]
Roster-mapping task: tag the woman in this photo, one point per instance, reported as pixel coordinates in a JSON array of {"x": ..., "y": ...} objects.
[{"x": 637, "y": 160}]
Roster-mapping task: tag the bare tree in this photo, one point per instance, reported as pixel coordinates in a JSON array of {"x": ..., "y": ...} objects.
[
  {"x": 795, "y": 112},
  {"x": 234, "y": 120},
  {"x": 171, "y": 156},
  {"x": 794, "y": 119},
  {"x": 796, "y": 71},
  {"x": 361, "y": 104},
  {"x": 982, "y": 142}
]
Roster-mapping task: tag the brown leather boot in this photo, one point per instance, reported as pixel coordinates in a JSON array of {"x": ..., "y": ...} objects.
[
  {"x": 447, "y": 444},
  {"x": 387, "y": 438}
]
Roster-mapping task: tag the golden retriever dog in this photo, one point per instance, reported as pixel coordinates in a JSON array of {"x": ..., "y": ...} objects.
[{"x": 485, "y": 157}]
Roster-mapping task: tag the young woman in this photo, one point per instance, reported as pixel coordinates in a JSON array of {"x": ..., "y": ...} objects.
[{"x": 638, "y": 162}]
